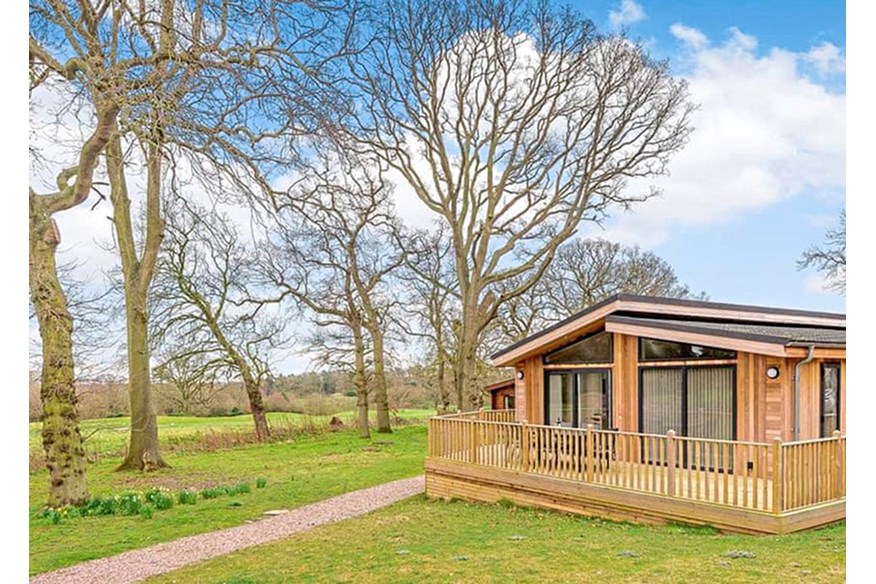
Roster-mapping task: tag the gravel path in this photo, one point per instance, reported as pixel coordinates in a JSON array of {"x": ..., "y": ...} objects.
[{"x": 137, "y": 565}]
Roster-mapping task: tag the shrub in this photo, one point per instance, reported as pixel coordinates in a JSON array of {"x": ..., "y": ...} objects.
[
  {"x": 238, "y": 489},
  {"x": 186, "y": 497},
  {"x": 160, "y": 498},
  {"x": 211, "y": 492},
  {"x": 146, "y": 512},
  {"x": 261, "y": 482}
]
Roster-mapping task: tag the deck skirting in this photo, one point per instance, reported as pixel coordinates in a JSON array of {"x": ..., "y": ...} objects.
[{"x": 453, "y": 479}]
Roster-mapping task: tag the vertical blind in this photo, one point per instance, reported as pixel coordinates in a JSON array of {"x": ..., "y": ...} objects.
[
  {"x": 829, "y": 399},
  {"x": 661, "y": 400},
  {"x": 694, "y": 401},
  {"x": 710, "y": 403}
]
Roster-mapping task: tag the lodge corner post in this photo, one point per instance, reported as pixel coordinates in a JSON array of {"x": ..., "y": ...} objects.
[{"x": 62, "y": 441}]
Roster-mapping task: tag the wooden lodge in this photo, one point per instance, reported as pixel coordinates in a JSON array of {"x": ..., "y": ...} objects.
[{"x": 654, "y": 410}]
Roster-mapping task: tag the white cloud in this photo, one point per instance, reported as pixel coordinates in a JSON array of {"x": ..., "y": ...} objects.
[
  {"x": 628, "y": 13},
  {"x": 827, "y": 59},
  {"x": 688, "y": 35},
  {"x": 816, "y": 284},
  {"x": 764, "y": 132}
]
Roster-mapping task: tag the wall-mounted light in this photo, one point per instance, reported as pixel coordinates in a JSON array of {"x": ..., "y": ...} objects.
[
  {"x": 520, "y": 375},
  {"x": 772, "y": 372}
]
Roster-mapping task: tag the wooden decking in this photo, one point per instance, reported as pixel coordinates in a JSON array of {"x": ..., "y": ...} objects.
[{"x": 736, "y": 486}]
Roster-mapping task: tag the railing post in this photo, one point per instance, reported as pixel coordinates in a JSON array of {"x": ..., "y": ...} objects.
[
  {"x": 524, "y": 447},
  {"x": 473, "y": 440},
  {"x": 670, "y": 463},
  {"x": 838, "y": 469},
  {"x": 588, "y": 453},
  {"x": 778, "y": 475}
]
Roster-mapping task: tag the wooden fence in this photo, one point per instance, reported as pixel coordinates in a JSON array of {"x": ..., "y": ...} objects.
[{"x": 773, "y": 477}]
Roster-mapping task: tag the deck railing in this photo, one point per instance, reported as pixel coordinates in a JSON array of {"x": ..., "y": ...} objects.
[{"x": 773, "y": 477}]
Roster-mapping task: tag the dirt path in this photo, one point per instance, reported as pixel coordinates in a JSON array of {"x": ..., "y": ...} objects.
[{"x": 137, "y": 565}]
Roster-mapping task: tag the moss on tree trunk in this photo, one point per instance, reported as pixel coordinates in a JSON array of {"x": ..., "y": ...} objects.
[{"x": 62, "y": 442}]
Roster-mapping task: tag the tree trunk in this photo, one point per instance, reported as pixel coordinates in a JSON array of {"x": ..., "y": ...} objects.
[
  {"x": 465, "y": 368},
  {"x": 62, "y": 442},
  {"x": 143, "y": 451},
  {"x": 381, "y": 399},
  {"x": 361, "y": 383},
  {"x": 257, "y": 407}
]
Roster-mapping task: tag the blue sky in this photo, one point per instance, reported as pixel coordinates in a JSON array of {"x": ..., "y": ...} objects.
[
  {"x": 739, "y": 241},
  {"x": 761, "y": 179}
]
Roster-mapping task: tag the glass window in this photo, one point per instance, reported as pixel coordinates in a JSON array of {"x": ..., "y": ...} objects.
[
  {"x": 593, "y": 398},
  {"x": 593, "y": 349},
  {"x": 560, "y": 400},
  {"x": 656, "y": 350},
  {"x": 830, "y": 398},
  {"x": 508, "y": 402}
]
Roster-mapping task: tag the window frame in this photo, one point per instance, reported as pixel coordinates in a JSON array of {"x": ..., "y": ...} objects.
[
  {"x": 839, "y": 400},
  {"x": 607, "y": 371},
  {"x": 610, "y": 361},
  {"x": 643, "y": 359}
]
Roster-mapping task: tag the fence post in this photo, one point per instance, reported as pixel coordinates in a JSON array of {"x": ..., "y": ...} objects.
[
  {"x": 431, "y": 433},
  {"x": 524, "y": 447},
  {"x": 473, "y": 440},
  {"x": 778, "y": 475},
  {"x": 588, "y": 453},
  {"x": 838, "y": 469},
  {"x": 670, "y": 463}
]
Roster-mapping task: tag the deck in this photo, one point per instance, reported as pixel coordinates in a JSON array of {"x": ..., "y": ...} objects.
[{"x": 735, "y": 486}]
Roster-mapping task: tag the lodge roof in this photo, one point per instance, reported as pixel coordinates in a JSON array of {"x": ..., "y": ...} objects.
[{"x": 766, "y": 325}]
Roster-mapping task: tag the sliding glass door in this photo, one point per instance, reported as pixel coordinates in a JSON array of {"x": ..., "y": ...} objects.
[
  {"x": 698, "y": 402},
  {"x": 576, "y": 399}
]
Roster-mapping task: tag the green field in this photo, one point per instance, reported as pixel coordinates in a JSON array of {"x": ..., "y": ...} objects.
[
  {"x": 298, "y": 472},
  {"x": 110, "y": 435},
  {"x": 412, "y": 541},
  {"x": 418, "y": 540}
]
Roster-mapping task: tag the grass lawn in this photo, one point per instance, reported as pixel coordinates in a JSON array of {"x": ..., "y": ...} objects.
[
  {"x": 298, "y": 472},
  {"x": 110, "y": 435},
  {"x": 419, "y": 540}
]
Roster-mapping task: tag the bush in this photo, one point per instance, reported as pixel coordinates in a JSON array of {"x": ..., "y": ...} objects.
[
  {"x": 186, "y": 497},
  {"x": 261, "y": 482},
  {"x": 160, "y": 498}
]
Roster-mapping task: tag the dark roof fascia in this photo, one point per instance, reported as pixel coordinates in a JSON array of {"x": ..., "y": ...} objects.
[
  {"x": 728, "y": 306},
  {"x": 686, "y": 328}
]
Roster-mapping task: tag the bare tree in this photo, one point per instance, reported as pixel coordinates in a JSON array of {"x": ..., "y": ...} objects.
[
  {"x": 336, "y": 242},
  {"x": 228, "y": 83},
  {"x": 62, "y": 441},
  {"x": 191, "y": 382},
  {"x": 430, "y": 305},
  {"x": 830, "y": 257},
  {"x": 203, "y": 303},
  {"x": 513, "y": 122},
  {"x": 583, "y": 273},
  {"x": 340, "y": 343}
]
